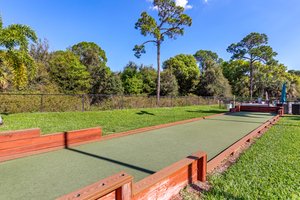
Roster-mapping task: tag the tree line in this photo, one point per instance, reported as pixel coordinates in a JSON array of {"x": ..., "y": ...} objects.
[{"x": 27, "y": 65}]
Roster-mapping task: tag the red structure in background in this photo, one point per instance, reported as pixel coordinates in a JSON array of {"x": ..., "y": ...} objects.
[{"x": 254, "y": 108}]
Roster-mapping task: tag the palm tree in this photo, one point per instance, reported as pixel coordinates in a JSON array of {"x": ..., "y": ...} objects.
[{"x": 14, "y": 42}]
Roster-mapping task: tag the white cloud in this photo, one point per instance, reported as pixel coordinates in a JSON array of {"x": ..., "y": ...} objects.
[
  {"x": 184, "y": 4},
  {"x": 154, "y": 7}
]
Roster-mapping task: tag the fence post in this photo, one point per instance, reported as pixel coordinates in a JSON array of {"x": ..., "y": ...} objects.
[
  {"x": 42, "y": 103},
  {"x": 82, "y": 102},
  {"x": 122, "y": 101},
  {"x": 112, "y": 102},
  {"x": 186, "y": 100}
]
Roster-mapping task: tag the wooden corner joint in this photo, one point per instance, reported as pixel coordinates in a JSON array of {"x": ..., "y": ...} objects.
[
  {"x": 201, "y": 158},
  {"x": 103, "y": 188}
]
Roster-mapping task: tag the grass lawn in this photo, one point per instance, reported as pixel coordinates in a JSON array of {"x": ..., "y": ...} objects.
[
  {"x": 111, "y": 121},
  {"x": 270, "y": 169}
]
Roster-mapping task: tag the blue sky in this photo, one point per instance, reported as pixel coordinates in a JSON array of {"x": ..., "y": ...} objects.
[{"x": 110, "y": 23}]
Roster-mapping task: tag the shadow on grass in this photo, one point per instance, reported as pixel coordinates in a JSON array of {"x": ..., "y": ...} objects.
[
  {"x": 143, "y": 112},
  {"x": 291, "y": 121},
  {"x": 292, "y": 117},
  {"x": 287, "y": 125},
  {"x": 206, "y": 111}
]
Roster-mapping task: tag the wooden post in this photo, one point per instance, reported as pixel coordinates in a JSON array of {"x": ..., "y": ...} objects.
[
  {"x": 120, "y": 184},
  {"x": 42, "y": 103},
  {"x": 122, "y": 101},
  {"x": 124, "y": 192},
  {"x": 202, "y": 168},
  {"x": 186, "y": 100}
]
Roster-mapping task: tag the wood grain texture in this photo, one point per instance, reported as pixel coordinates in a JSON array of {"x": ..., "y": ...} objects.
[
  {"x": 167, "y": 182},
  {"x": 24, "y": 144},
  {"x": 118, "y": 186},
  {"x": 7, "y": 136}
]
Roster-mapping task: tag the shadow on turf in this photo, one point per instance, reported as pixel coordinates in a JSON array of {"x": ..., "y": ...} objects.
[
  {"x": 240, "y": 114},
  {"x": 143, "y": 112},
  {"x": 111, "y": 160},
  {"x": 225, "y": 120},
  {"x": 205, "y": 111},
  {"x": 248, "y": 114},
  {"x": 66, "y": 144},
  {"x": 105, "y": 158}
]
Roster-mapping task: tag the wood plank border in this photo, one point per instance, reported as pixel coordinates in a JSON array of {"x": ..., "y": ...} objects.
[
  {"x": 173, "y": 177},
  {"x": 119, "y": 184},
  {"x": 27, "y": 142},
  {"x": 7, "y": 136}
]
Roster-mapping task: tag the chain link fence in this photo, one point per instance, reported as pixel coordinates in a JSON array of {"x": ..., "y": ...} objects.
[{"x": 18, "y": 103}]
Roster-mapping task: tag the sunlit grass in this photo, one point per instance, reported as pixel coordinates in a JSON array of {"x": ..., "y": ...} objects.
[
  {"x": 270, "y": 169},
  {"x": 111, "y": 121}
]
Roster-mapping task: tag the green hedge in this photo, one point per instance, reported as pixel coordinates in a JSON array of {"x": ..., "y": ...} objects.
[{"x": 18, "y": 103}]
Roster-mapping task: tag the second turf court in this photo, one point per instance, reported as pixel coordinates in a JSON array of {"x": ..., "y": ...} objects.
[{"x": 50, "y": 175}]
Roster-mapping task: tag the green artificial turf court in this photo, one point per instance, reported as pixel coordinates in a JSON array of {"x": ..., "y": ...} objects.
[{"x": 50, "y": 175}]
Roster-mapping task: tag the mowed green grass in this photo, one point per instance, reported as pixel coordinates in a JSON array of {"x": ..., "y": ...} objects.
[
  {"x": 270, "y": 169},
  {"x": 110, "y": 121}
]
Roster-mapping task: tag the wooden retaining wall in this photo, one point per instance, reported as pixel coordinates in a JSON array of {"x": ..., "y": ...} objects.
[{"x": 16, "y": 144}]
